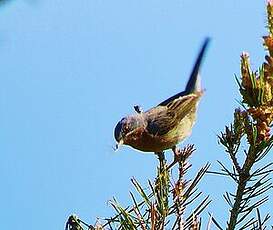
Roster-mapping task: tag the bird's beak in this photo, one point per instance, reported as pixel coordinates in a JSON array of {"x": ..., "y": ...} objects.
[{"x": 119, "y": 144}]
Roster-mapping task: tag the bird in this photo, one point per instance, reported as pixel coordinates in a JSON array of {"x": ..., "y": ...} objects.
[{"x": 168, "y": 123}]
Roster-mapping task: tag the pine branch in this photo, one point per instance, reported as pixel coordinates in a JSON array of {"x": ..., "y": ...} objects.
[
  {"x": 160, "y": 201},
  {"x": 253, "y": 122}
]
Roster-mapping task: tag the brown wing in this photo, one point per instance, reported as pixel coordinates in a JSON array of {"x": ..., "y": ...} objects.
[{"x": 162, "y": 119}]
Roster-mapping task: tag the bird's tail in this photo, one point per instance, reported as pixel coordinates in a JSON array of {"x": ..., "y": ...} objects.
[{"x": 194, "y": 83}]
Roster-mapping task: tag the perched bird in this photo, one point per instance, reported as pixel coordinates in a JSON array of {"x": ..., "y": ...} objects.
[{"x": 165, "y": 125}]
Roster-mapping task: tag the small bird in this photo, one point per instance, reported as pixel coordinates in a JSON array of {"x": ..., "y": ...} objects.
[{"x": 165, "y": 125}]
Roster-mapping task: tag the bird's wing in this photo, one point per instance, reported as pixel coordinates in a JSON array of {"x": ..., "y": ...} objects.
[{"x": 162, "y": 119}]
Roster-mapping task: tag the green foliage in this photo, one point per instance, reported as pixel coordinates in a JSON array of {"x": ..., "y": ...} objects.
[
  {"x": 162, "y": 204},
  {"x": 252, "y": 175}
]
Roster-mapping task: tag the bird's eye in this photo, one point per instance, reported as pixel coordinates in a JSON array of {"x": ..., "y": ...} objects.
[{"x": 126, "y": 128}]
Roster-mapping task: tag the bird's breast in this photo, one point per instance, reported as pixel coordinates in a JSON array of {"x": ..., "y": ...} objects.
[{"x": 146, "y": 142}]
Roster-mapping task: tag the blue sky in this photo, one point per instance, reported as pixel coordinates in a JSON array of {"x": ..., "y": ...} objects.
[{"x": 71, "y": 69}]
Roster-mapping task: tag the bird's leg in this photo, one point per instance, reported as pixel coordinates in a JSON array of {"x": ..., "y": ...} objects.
[
  {"x": 138, "y": 109},
  {"x": 177, "y": 156},
  {"x": 176, "y": 152}
]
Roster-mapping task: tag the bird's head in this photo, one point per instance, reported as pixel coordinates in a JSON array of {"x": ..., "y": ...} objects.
[{"x": 125, "y": 127}]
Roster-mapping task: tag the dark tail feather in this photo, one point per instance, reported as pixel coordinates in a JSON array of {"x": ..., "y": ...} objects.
[
  {"x": 193, "y": 77},
  {"x": 195, "y": 71}
]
